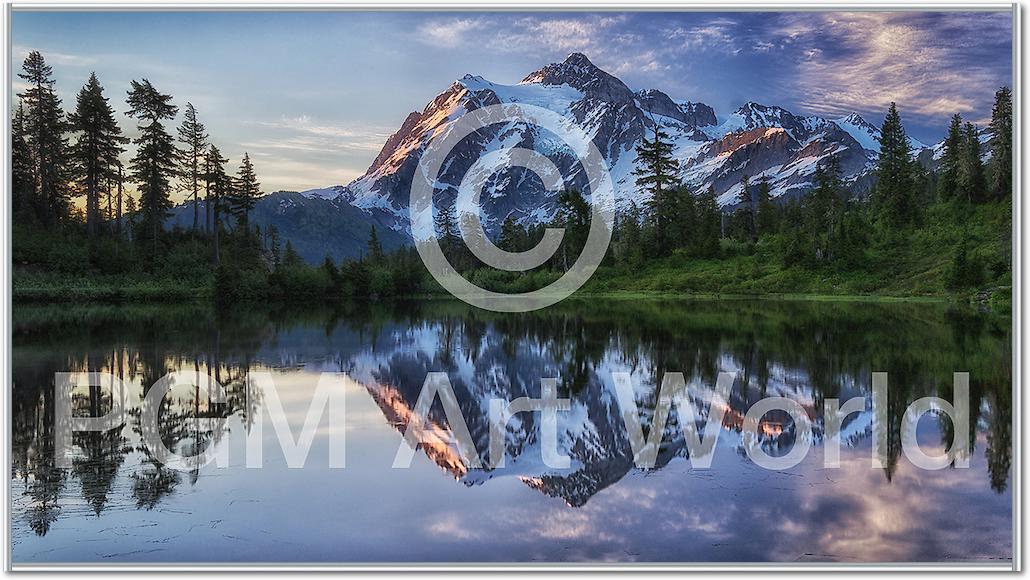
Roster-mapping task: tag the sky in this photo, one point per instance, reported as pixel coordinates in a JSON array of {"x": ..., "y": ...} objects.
[{"x": 312, "y": 96}]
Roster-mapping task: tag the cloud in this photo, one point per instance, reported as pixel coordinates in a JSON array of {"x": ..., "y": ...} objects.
[
  {"x": 448, "y": 33},
  {"x": 931, "y": 65},
  {"x": 54, "y": 57},
  {"x": 719, "y": 34},
  {"x": 303, "y": 133}
]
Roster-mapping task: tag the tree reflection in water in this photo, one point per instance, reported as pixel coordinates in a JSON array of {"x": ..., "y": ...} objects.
[{"x": 809, "y": 351}]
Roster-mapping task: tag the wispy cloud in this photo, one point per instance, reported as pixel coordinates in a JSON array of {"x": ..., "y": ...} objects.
[
  {"x": 303, "y": 133},
  {"x": 55, "y": 57},
  {"x": 929, "y": 66},
  {"x": 448, "y": 33}
]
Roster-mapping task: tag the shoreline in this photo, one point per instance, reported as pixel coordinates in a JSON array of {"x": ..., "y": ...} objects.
[{"x": 201, "y": 295}]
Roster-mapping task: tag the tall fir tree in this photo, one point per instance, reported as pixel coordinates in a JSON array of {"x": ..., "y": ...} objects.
[
  {"x": 823, "y": 207},
  {"x": 972, "y": 184},
  {"x": 154, "y": 164},
  {"x": 767, "y": 216},
  {"x": 22, "y": 176},
  {"x": 951, "y": 161},
  {"x": 445, "y": 224},
  {"x": 573, "y": 216},
  {"x": 657, "y": 173},
  {"x": 894, "y": 196},
  {"x": 709, "y": 224},
  {"x": 45, "y": 131},
  {"x": 246, "y": 190},
  {"x": 744, "y": 216},
  {"x": 217, "y": 186},
  {"x": 97, "y": 148},
  {"x": 375, "y": 248},
  {"x": 191, "y": 157},
  {"x": 1000, "y": 166}
]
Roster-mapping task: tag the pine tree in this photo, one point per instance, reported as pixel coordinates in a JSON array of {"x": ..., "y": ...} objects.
[
  {"x": 767, "y": 217},
  {"x": 291, "y": 259},
  {"x": 246, "y": 190},
  {"x": 191, "y": 156},
  {"x": 512, "y": 235},
  {"x": 709, "y": 223},
  {"x": 822, "y": 208},
  {"x": 155, "y": 161},
  {"x": 947, "y": 185},
  {"x": 119, "y": 183},
  {"x": 972, "y": 184},
  {"x": 45, "y": 127},
  {"x": 22, "y": 177},
  {"x": 217, "y": 187},
  {"x": 1000, "y": 165},
  {"x": 574, "y": 217},
  {"x": 97, "y": 148},
  {"x": 629, "y": 238},
  {"x": 446, "y": 226},
  {"x": 894, "y": 195},
  {"x": 375, "y": 249},
  {"x": 657, "y": 173},
  {"x": 744, "y": 216},
  {"x": 683, "y": 225}
]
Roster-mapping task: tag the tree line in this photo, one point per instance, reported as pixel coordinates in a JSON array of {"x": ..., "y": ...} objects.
[
  {"x": 58, "y": 156},
  {"x": 829, "y": 227}
]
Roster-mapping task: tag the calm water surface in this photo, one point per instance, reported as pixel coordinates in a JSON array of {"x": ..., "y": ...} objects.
[{"x": 117, "y": 504}]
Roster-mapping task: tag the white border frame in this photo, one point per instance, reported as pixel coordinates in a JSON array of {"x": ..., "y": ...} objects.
[{"x": 511, "y": 6}]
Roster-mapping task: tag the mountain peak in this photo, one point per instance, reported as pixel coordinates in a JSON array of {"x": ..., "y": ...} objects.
[
  {"x": 579, "y": 73},
  {"x": 578, "y": 59},
  {"x": 855, "y": 119}
]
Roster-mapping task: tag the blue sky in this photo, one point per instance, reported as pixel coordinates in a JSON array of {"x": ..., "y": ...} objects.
[{"x": 313, "y": 95}]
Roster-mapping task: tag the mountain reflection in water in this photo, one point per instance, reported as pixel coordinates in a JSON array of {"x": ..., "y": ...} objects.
[{"x": 805, "y": 351}]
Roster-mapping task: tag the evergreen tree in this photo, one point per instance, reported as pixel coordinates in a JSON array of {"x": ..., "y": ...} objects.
[
  {"x": 657, "y": 173},
  {"x": 1000, "y": 165},
  {"x": 744, "y": 216},
  {"x": 574, "y": 216},
  {"x": 894, "y": 195},
  {"x": 629, "y": 238},
  {"x": 273, "y": 243},
  {"x": 333, "y": 273},
  {"x": 767, "y": 217},
  {"x": 513, "y": 235},
  {"x": 971, "y": 182},
  {"x": 22, "y": 176},
  {"x": 709, "y": 224},
  {"x": 683, "y": 222},
  {"x": 245, "y": 191},
  {"x": 191, "y": 156},
  {"x": 217, "y": 188},
  {"x": 96, "y": 150},
  {"x": 823, "y": 208},
  {"x": 446, "y": 226},
  {"x": 44, "y": 128},
  {"x": 291, "y": 259},
  {"x": 375, "y": 249},
  {"x": 951, "y": 160},
  {"x": 155, "y": 160}
]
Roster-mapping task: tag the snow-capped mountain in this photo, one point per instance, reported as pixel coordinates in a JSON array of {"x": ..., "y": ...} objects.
[{"x": 757, "y": 141}]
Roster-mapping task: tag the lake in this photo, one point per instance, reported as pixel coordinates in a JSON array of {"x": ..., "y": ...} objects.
[{"x": 117, "y": 504}]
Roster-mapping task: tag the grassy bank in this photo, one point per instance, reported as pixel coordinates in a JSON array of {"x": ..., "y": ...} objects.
[{"x": 922, "y": 262}]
